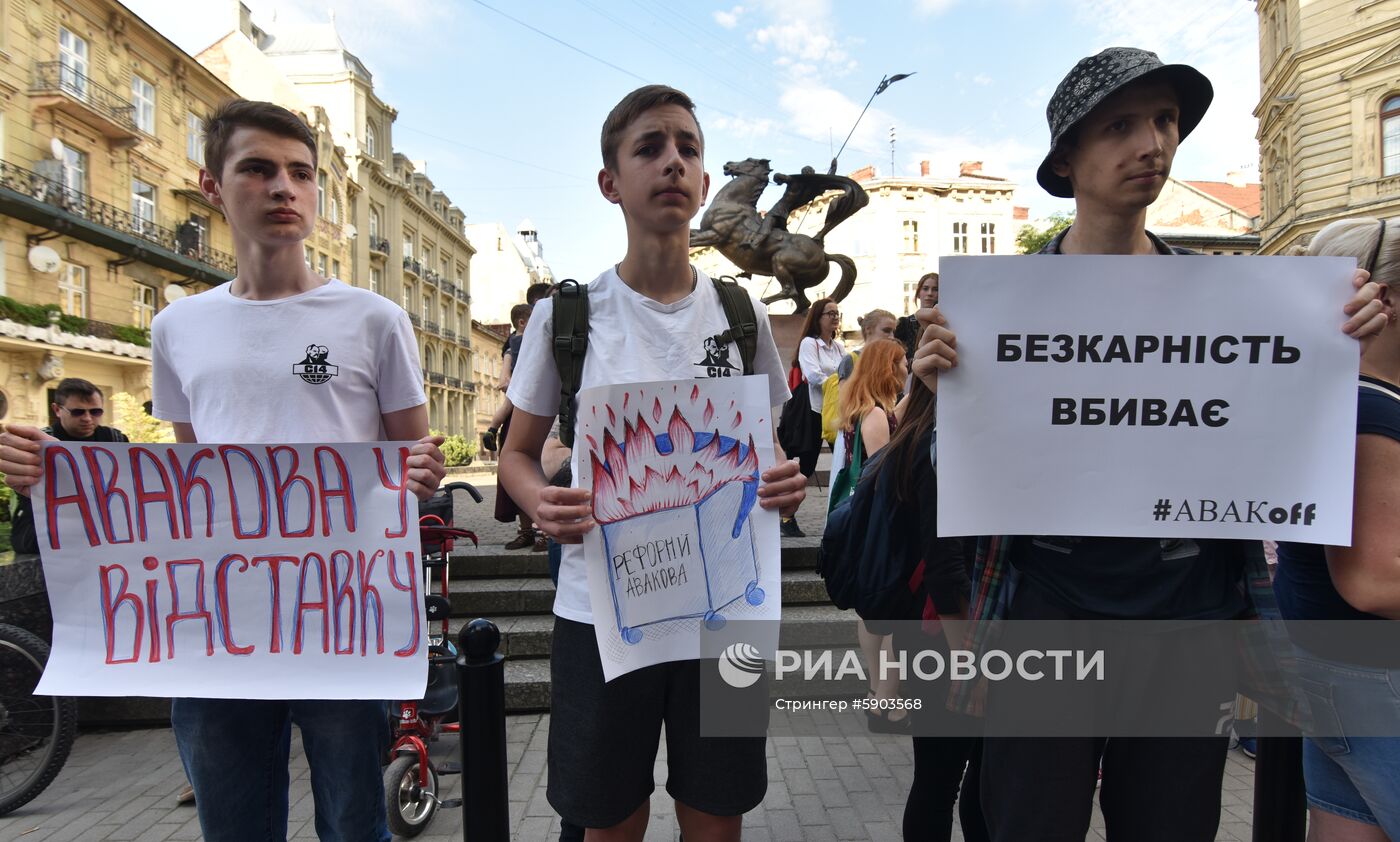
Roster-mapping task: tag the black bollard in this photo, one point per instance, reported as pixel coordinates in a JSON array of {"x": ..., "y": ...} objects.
[{"x": 481, "y": 684}]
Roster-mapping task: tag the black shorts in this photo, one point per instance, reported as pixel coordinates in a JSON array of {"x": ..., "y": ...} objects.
[{"x": 603, "y": 739}]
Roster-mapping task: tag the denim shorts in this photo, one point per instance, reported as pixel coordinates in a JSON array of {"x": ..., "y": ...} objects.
[
  {"x": 603, "y": 738},
  {"x": 1352, "y": 762}
]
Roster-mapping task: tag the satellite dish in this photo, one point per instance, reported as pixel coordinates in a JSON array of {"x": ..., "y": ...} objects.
[
  {"x": 351, "y": 231},
  {"x": 44, "y": 259},
  {"x": 173, "y": 293},
  {"x": 56, "y": 147}
]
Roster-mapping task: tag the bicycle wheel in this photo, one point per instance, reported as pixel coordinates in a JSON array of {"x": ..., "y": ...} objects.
[{"x": 36, "y": 732}]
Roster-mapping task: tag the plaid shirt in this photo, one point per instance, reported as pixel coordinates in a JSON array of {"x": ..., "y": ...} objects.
[{"x": 1265, "y": 652}]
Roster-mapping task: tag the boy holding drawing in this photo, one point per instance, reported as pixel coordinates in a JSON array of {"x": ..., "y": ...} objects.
[
  {"x": 279, "y": 355},
  {"x": 650, "y": 318}
]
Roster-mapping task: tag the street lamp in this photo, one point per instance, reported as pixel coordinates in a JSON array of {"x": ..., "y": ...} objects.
[{"x": 885, "y": 82}]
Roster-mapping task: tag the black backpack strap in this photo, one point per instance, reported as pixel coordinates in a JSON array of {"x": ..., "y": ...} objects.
[
  {"x": 570, "y": 346},
  {"x": 743, "y": 323}
]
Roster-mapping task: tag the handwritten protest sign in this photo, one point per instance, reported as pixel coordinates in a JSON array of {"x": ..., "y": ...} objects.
[
  {"x": 681, "y": 543},
  {"x": 1209, "y": 397},
  {"x": 232, "y": 571}
]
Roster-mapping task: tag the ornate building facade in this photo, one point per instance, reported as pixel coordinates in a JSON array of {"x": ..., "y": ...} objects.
[
  {"x": 101, "y": 218},
  {"x": 1329, "y": 114}
]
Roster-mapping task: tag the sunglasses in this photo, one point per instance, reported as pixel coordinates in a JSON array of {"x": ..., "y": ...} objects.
[{"x": 79, "y": 412}]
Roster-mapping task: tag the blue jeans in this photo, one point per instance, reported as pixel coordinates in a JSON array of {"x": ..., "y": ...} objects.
[
  {"x": 1357, "y": 777},
  {"x": 235, "y": 753}
]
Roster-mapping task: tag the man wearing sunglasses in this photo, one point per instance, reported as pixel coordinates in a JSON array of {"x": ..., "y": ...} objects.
[{"x": 78, "y": 407}]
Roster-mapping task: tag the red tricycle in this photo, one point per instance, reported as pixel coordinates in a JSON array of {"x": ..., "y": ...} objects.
[{"x": 411, "y": 778}]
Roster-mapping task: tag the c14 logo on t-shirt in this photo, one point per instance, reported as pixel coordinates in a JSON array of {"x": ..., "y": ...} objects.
[
  {"x": 314, "y": 369},
  {"x": 716, "y": 360}
]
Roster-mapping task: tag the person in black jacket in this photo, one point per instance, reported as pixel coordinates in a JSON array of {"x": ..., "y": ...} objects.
[
  {"x": 941, "y": 582},
  {"x": 78, "y": 407},
  {"x": 907, "y": 329}
]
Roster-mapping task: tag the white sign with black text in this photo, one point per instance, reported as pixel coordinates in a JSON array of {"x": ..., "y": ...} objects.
[{"x": 1209, "y": 397}]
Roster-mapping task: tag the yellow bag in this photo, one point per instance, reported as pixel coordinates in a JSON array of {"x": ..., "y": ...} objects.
[{"x": 831, "y": 403}]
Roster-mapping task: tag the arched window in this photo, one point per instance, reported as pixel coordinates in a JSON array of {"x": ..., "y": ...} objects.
[
  {"x": 1390, "y": 136},
  {"x": 371, "y": 143}
]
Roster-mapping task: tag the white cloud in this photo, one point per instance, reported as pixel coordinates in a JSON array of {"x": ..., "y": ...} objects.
[
  {"x": 740, "y": 127},
  {"x": 982, "y": 79},
  {"x": 801, "y": 36},
  {"x": 729, "y": 19}
]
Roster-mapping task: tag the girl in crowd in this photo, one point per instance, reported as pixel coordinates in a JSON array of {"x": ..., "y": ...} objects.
[
  {"x": 908, "y": 331},
  {"x": 1353, "y": 685},
  {"x": 868, "y": 420},
  {"x": 877, "y": 324},
  {"x": 818, "y": 355},
  {"x": 941, "y": 581}
]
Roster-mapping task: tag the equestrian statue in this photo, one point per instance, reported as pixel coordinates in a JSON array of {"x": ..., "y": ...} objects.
[{"x": 760, "y": 244}]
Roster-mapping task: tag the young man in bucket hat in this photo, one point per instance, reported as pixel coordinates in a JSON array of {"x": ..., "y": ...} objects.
[{"x": 1115, "y": 122}]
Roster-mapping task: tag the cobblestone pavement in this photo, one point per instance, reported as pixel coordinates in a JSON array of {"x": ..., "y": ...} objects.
[{"x": 846, "y": 784}]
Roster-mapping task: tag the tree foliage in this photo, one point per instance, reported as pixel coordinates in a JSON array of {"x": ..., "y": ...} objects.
[{"x": 1031, "y": 239}]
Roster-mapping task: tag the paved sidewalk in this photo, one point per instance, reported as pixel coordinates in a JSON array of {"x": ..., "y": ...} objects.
[{"x": 847, "y": 784}]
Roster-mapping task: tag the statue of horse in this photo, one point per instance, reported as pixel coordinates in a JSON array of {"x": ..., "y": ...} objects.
[{"x": 760, "y": 244}]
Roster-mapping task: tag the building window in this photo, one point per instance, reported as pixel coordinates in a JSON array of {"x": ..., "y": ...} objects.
[
  {"x": 310, "y": 257},
  {"x": 334, "y": 212},
  {"x": 989, "y": 238},
  {"x": 371, "y": 142},
  {"x": 409, "y": 293},
  {"x": 321, "y": 266},
  {"x": 1390, "y": 137},
  {"x": 143, "y": 305},
  {"x": 72, "y": 290},
  {"x": 143, "y": 97},
  {"x": 192, "y": 238},
  {"x": 408, "y": 246},
  {"x": 143, "y": 205},
  {"x": 959, "y": 238},
  {"x": 335, "y": 268},
  {"x": 427, "y": 307},
  {"x": 74, "y": 172},
  {"x": 376, "y": 280},
  {"x": 320, "y": 194},
  {"x": 72, "y": 64},
  {"x": 194, "y": 137},
  {"x": 373, "y": 223},
  {"x": 911, "y": 235}
]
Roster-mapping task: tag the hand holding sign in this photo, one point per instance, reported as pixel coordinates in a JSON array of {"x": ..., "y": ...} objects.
[{"x": 19, "y": 456}]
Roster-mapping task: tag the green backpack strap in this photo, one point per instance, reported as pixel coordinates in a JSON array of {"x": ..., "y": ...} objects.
[
  {"x": 743, "y": 323},
  {"x": 570, "y": 346}
]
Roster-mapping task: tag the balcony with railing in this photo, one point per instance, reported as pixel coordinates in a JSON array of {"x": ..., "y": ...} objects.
[
  {"x": 49, "y": 203},
  {"x": 411, "y": 265},
  {"x": 378, "y": 246},
  {"x": 432, "y": 277},
  {"x": 64, "y": 89},
  {"x": 454, "y": 382},
  {"x": 461, "y": 294},
  {"x": 437, "y": 378},
  {"x": 449, "y": 334},
  {"x": 414, "y": 320},
  {"x": 448, "y": 288},
  {"x": 430, "y": 326}
]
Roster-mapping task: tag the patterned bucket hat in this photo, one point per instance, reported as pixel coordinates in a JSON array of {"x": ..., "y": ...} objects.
[{"x": 1095, "y": 78}]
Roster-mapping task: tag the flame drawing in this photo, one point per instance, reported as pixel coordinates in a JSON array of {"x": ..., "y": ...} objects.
[{"x": 636, "y": 477}]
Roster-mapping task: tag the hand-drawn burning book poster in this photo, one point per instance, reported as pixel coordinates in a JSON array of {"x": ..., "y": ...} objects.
[{"x": 681, "y": 542}]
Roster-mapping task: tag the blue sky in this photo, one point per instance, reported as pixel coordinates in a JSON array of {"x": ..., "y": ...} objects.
[{"x": 508, "y": 118}]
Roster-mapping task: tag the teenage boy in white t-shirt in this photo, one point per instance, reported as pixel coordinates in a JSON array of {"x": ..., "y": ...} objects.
[
  {"x": 224, "y": 369},
  {"x": 649, "y": 319}
]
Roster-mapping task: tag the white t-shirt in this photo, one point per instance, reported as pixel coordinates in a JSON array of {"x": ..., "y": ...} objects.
[
  {"x": 320, "y": 366},
  {"x": 634, "y": 339}
]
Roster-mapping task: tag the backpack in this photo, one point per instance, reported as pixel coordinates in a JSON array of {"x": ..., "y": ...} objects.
[
  {"x": 571, "y": 339},
  {"x": 831, "y": 402},
  {"x": 870, "y": 549}
]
